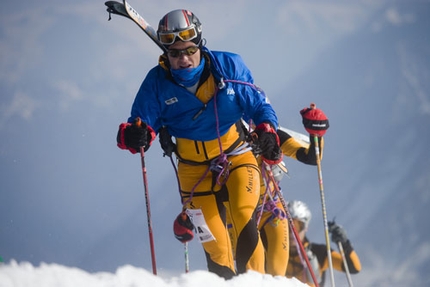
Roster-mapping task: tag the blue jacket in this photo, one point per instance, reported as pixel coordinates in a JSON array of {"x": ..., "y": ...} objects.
[{"x": 162, "y": 102}]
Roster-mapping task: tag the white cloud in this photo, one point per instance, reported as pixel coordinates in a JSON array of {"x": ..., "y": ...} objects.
[
  {"x": 393, "y": 16},
  {"x": 21, "y": 105},
  {"x": 69, "y": 92}
]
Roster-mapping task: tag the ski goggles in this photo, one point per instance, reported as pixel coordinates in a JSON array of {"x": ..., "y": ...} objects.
[
  {"x": 299, "y": 225},
  {"x": 175, "y": 53},
  {"x": 168, "y": 38}
]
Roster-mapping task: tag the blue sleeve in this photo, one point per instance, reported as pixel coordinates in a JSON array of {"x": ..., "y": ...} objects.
[
  {"x": 146, "y": 104},
  {"x": 258, "y": 107},
  {"x": 253, "y": 100}
]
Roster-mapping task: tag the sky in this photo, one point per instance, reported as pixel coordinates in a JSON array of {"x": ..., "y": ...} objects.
[{"x": 68, "y": 77}]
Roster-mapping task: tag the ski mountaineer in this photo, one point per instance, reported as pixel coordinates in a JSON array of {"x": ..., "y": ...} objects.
[
  {"x": 199, "y": 96},
  {"x": 273, "y": 224},
  {"x": 271, "y": 219},
  {"x": 317, "y": 253}
]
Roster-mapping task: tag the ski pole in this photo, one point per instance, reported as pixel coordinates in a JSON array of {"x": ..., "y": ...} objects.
[
  {"x": 148, "y": 210},
  {"x": 324, "y": 213},
  {"x": 186, "y": 256},
  {"x": 345, "y": 264},
  {"x": 187, "y": 261},
  {"x": 291, "y": 223}
]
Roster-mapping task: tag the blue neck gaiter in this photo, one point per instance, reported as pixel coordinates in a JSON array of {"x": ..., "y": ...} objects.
[{"x": 189, "y": 76}]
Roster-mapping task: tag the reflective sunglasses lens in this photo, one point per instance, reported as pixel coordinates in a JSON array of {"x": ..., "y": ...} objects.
[
  {"x": 174, "y": 53},
  {"x": 191, "y": 50}
]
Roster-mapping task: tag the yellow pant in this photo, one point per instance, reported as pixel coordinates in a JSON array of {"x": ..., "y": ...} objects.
[
  {"x": 275, "y": 236},
  {"x": 236, "y": 200},
  {"x": 274, "y": 233}
]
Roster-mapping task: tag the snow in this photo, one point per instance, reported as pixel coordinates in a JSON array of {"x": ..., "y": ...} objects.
[{"x": 24, "y": 274}]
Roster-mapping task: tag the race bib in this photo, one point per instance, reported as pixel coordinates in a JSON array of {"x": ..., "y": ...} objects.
[{"x": 201, "y": 229}]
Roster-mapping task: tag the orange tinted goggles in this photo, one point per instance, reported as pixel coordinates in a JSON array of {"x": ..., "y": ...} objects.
[{"x": 185, "y": 35}]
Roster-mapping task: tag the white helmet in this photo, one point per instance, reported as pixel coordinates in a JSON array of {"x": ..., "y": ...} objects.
[{"x": 300, "y": 211}]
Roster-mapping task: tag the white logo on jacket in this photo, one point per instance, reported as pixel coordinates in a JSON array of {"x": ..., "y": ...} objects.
[{"x": 171, "y": 101}]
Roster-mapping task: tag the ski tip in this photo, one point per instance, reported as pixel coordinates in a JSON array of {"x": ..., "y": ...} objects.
[{"x": 110, "y": 3}]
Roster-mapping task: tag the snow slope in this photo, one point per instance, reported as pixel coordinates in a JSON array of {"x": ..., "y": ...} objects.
[{"x": 24, "y": 274}]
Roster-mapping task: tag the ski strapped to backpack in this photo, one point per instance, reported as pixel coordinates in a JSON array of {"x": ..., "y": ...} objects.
[{"x": 124, "y": 9}]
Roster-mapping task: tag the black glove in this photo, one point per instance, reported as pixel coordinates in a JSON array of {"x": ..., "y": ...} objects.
[
  {"x": 268, "y": 143},
  {"x": 338, "y": 234},
  {"x": 136, "y": 136},
  {"x": 314, "y": 120},
  {"x": 166, "y": 142},
  {"x": 133, "y": 136},
  {"x": 183, "y": 228}
]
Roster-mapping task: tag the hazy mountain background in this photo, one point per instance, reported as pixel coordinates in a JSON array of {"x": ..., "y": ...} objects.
[{"x": 68, "y": 77}]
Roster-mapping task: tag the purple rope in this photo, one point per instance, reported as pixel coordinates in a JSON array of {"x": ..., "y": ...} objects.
[{"x": 220, "y": 164}]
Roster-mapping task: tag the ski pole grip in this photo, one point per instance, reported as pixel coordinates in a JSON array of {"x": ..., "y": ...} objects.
[{"x": 138, "y": 122}]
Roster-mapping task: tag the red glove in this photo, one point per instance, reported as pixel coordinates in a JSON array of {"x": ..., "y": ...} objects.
[
  {"x": 314, "y": 120},
  {"x": 183, "y": 228},
  {"x": 133, "y": 136}
]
